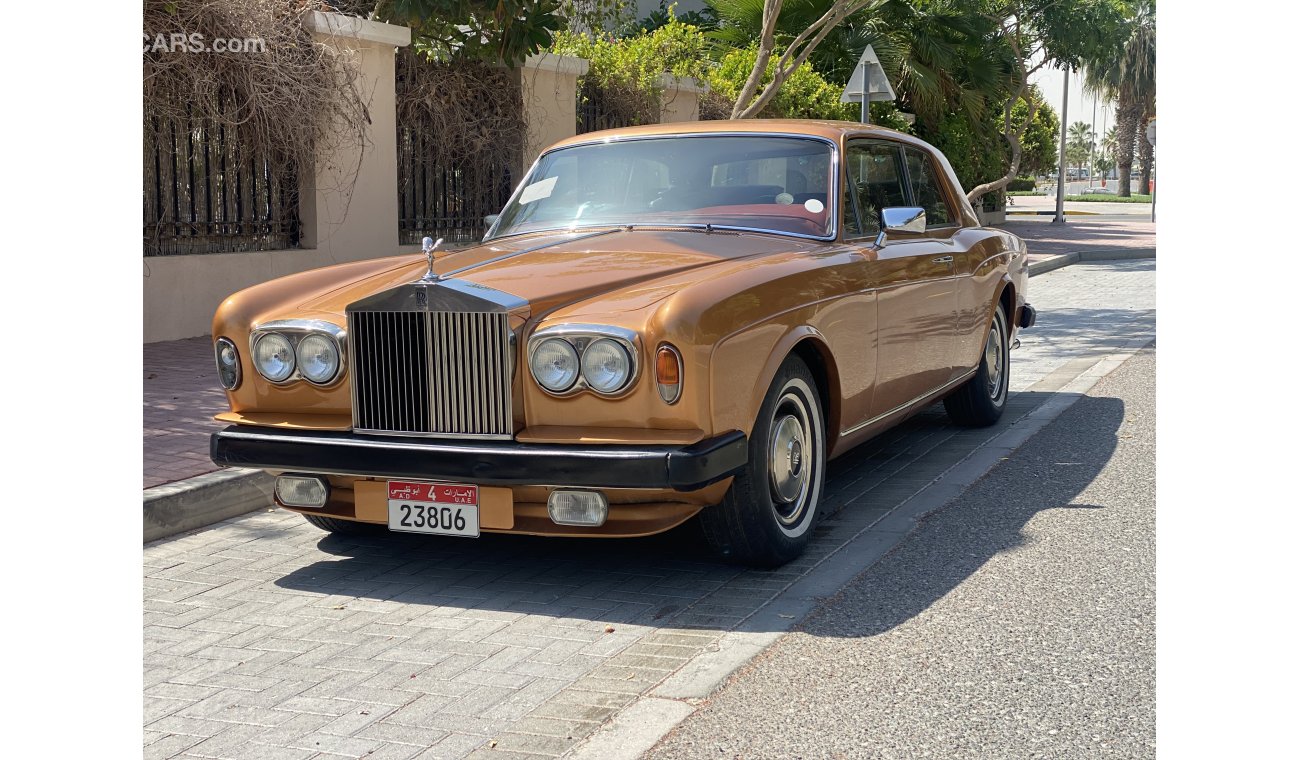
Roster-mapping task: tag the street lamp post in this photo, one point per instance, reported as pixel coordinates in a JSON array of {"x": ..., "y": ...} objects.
[
  {"x": 1060, "y": 167},
  {"x": 1092, "y": 145}
]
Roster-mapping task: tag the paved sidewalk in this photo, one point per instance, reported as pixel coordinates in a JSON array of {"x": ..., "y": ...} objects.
[
  {"x": 181, "y": 392},
  {"x": 1081, "y": 234},
  {"x": 265, "y": 638}
]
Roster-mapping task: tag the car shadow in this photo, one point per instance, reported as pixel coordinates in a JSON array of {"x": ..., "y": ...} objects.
[{"x": 671, "y": 579}]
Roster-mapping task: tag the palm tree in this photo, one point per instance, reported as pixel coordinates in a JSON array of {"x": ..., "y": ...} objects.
[
  {"x": 1078, "y": 144},
  {"x": 937, "y": 54},
  {"x": 1129, "y": 77}
]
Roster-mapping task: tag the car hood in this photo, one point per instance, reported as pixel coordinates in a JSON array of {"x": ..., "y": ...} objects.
[{"x": 557, "y": 269}]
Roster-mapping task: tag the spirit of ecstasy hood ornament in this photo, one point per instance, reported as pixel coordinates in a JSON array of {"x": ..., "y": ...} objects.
[{"x": 429, "y": 245}]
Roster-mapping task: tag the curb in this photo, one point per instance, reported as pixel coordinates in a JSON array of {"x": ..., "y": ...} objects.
[
  {"x": 1053, "y": 213},
  {"x": 203, "y": 500},
  {"x": 1105, "y": 254}
]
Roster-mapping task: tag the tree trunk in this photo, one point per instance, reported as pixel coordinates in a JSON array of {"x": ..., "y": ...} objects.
[
  {"x": 1126, "y": 118},
  {"x": 1012, "y": 136},
  {"x": 1145, "y": 151}
]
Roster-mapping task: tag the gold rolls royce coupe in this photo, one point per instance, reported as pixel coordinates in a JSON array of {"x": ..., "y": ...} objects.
[{"x": 664, "y": 323}]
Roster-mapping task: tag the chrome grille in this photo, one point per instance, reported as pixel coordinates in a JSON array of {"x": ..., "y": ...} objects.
[{"x": 431, "y": 373}]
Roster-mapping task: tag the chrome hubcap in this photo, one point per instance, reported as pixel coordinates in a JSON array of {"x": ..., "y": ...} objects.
[
  {"x": 995, "y": 357},
  {"x": 789, "y": 459}
]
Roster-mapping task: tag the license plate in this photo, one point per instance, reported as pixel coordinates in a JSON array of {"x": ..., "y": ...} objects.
[{"x": 445, "y": 509}]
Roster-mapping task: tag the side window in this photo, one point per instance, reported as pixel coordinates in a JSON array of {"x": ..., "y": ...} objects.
[
  {"x": 927, "y": 190},
  {"x": 875, "y": 174}
]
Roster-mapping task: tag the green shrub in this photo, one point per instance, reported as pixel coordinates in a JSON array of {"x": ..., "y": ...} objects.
[
  {"x": 625, "y": 72},
  {"x": 1020, "y": 184},
  {"x": 805, "y": 94}
]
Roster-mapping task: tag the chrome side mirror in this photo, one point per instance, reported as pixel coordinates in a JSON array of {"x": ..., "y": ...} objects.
[
  {"x": 488, "y": 221},
  {"x": 900, "y": 219}
]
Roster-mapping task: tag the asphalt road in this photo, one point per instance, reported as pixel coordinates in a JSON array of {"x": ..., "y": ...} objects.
[{"x": 1018, "y": 621}]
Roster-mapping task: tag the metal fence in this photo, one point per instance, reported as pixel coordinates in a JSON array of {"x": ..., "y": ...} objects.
[
  {"x": 447, "y": 199},
  {"x": 207, "y": 191},
  {"x": 595, "y": 112}
]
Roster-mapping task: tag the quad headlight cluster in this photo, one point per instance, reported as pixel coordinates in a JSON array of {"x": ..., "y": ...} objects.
[
  {"x": 288, "y": 350},
  {"x": 569, "y": 358}
]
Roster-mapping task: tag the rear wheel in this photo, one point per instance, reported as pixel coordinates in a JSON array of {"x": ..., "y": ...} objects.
[
  {"x": 980, "y": 400},
  {"x": 766, "y": 518},
  {"x": 341, "y": 527}
]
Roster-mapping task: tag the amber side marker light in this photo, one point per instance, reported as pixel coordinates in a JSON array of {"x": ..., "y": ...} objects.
[{"x": 668, "y": 373}]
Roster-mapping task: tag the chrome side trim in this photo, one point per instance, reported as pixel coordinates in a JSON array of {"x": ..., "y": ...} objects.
[
  {"x": 833, "y": 193},
  {"x": 580, "y": 336},
  {"x": 901, "y": 407}
]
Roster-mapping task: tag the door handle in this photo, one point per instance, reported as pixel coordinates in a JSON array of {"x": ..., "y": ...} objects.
[{"x": 943, "y": 260}]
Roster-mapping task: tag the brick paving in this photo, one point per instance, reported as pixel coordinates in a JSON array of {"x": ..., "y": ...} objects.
[
  {"x": 265, "y": 638},
  {"x": 181, "y": 392}
]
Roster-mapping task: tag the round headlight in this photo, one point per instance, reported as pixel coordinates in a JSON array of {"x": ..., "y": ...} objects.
[
  {"x": 227, "y": 363},
  {"x": 606, "y": 366},
  {"x": 555, "y": 365},
  {"x": 318, "y": 359},
  {"x": 273, "y": 356}
]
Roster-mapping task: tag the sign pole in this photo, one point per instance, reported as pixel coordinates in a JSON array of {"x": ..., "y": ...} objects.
[{"x": 866, "y": 93}]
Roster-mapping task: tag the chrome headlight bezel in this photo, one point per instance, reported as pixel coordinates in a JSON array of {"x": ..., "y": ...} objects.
[
  {"x": 295, "y": 331},
  {"x": 236, "y": 370},
  {"x": 579, "y": 337}
]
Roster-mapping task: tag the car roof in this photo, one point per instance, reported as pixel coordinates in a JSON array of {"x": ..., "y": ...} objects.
[{"x": 833, "y": 130}]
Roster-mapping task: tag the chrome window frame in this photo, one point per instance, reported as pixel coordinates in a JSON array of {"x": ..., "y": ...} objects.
[
  {"x": 294, "y": 330},
  {"x": 833, "y": 202},
  {"x": 580, "y": 336}
]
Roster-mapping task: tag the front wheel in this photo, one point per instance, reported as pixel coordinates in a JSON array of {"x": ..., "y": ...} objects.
[
  {"x": 980, "y": 400},
  {"x": 341, "y": 527},
  {"x": 766, "y": 518}
]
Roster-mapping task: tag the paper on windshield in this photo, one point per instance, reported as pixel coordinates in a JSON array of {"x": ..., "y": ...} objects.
[{"x": 538, "y": 190}]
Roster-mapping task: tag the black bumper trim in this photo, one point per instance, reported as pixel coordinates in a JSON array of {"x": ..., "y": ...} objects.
[
  {"x": 1028, "y": 316},
  {"x": 681, "y": 468}
]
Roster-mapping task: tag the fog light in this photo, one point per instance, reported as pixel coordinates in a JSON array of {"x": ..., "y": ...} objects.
[
  {"x": 586, "y": 508},
  {"x": 301, "y": 491}
]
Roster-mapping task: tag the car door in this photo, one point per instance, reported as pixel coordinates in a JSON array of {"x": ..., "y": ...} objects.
[
  {"x": 913, "y": 276},
  {"x": 932, "y": 192}
]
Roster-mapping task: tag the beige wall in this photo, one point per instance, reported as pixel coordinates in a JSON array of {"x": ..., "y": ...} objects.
[
  {"x": 681, "y": 99},
  {"x": 345, "y": 220},
  {"x": 342, "y": 220},
  {"x": 549, "y": 84}
]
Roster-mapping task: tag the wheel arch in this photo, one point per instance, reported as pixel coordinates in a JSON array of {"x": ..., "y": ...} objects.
[
  {"x": 816, "y": 355},
  {"x": 807, "y": 343}
]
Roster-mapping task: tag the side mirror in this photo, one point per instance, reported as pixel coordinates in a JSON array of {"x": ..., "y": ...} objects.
[
  {"x": 900, "y": 219},
  {"x": 490, "y": 219}
]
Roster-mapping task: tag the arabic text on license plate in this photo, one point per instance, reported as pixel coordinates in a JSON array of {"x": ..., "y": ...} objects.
[{"x": 446, "y": 509}]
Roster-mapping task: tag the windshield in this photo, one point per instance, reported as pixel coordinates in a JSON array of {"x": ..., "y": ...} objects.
[{"x": 772, "y": 183}]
